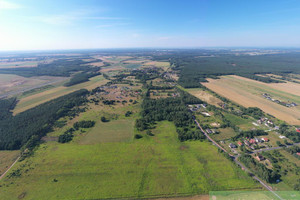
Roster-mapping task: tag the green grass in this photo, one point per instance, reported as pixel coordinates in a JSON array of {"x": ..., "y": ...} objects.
[
  {"x": 225, "y": 134},
  {"x": 148, "y": 167},
  {"x": 6, "y": 159},
  {"x": 113, "y": 131}
]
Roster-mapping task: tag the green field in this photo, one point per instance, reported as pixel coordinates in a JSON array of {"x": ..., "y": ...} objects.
[
  {"x": 148, "y": 167},
  {"x": 6, "y": 159}
]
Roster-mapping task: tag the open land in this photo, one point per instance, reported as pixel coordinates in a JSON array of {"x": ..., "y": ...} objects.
[
  {"x": 149, "y": 167},
  {"x": 37, "y": 99},
  {"x": 248, "y": 93}
]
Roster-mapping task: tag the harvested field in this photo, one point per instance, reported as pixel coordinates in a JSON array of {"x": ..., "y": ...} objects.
[
  {"x": 205, "y": 96},
  {"x": 37, "y": 99},
  {"x": 248, "y": 92}
]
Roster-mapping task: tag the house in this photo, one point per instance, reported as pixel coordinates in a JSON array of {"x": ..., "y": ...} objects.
[
  {"x": 232, "y": 145},
  {"x": 252, "y": 141},
  {"x": 205, "y": 114},
  {"x": 259, "y": 157},
  {"x": 276, "y": 128},
  {"x": 258, "y": 140},
  {"x": 265, "y": 139},
  {"x": 282, "y": 137},
  {"x": 298, "y": 153},
  {"x": 209, "y": 131},
  {"x": 298, "y": 130},
  {"x": 246, "y": 143},
  {"x": 240, "y": 143}
]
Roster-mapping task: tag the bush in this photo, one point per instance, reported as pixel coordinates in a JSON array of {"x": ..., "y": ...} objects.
[{"x": 138, "y": 136}]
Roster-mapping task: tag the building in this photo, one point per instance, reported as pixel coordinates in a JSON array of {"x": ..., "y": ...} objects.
[
  {"x": 265, "y": 139},
  {"x": 259, "y": 157},
  {"x": 232, "y": 146},
  {"x": 240, "y": 143},
  {"x": 252, "y": 141}
]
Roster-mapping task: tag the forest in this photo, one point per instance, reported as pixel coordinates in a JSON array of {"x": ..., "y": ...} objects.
[
  {"x": 196, "y": 65},
  {"x": 15, "y": 131},
  {"x": 60, "y": 67}
]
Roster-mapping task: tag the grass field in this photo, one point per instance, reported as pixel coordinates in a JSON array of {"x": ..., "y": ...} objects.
[
  {"x": 39, "y": 98},
  {"x": 6, "y": 159},
  {"x": 225, "y": 133},
  {"x": 149, "y": 167},
  {"x": 248, "y": 93}
]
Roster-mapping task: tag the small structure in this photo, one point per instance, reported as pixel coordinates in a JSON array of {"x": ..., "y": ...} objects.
[
  {"x": 206, "y": 114},
  {"x": 265, "y": 139},
  {"x": 252, "y": 141},
  {"x": 232, "y": 146},
  {"x": 259, "y": 157},
  {"x": 240, "y": 143},
  {"x": 298, "y": 130}
]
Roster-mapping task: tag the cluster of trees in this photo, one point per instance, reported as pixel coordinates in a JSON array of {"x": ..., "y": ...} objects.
[
  {"x": 249, "y": 134},
  {"x": 293, "y": 135},
  {"x": 195, "y": 68},
  {"x": 60, "y": 67},
  {"x": 83, "y": 124},
  {"x": 16, "y": 131},
  {"x": 6, "y": 105},
  {"x": 171, "y": 109},
  {"x": 261, "y": 78},
  {"x": 293, "y": 150},
  {"x": 82, "y": 77},
  {"x": 255, "y": 112},
  {"x": 68, "y": 135},
  {"x": 260, "y": 169}
]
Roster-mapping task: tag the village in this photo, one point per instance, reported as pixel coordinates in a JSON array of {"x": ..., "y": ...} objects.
[{"x": 287, "y": 104}]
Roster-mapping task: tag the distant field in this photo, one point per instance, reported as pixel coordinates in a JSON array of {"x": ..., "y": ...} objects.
[
  {"x": 248, "y": 93},
  {"x": 39, "y": 98},
  {"x": 204, "y": 96},
  {"x": 164, "y": 65},
  {"x": 6, "y": 159},
  {"x": 14, "y": 84},
  {"x": 18, "y": 64},
  {"x": 155, "y": 166}
]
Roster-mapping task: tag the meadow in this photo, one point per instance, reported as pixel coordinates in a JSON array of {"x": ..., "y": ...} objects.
[
  {"x": 248, "y": 93},
  {"x": 6, "y": 159},
  {"x": 154, "y": 166}
]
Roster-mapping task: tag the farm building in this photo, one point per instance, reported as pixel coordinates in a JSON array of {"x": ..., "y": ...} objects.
[{"x": 259, "y": 157}]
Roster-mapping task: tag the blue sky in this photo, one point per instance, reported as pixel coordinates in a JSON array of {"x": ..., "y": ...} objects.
[{"x": 83, "y": 24}]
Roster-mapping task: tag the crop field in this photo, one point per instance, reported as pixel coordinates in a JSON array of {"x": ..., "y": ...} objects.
[
  {"x": 148, "y": 167},
  {"x": 205, "y": 96},
  {"x": 6, "y": 159},
  {"x": 39, "y": 98},
  {"x": 18, "y": 64},
  {"x": 248, "y": 93}
]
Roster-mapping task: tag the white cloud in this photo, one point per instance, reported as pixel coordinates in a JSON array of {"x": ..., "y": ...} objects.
[
  {"x": 72, "y": 17},
  {"x": 5, "y": 5}
]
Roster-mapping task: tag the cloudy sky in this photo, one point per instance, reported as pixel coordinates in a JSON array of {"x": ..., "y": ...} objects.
[{"x": 84, "y": 24}]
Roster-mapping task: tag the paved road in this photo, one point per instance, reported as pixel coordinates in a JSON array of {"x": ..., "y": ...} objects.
[
  {"x": 275, "y": 148},
  {"x": 237, "y": 162}
]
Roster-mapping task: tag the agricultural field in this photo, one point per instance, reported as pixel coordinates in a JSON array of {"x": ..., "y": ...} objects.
[
  {"x": 205, "y": 96},
  {"x": 249, "y": 92},
  {"x": 14, "y": 84},
  {"x": 39, "y": 98},
  {"x": 148, "y": 167}
]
